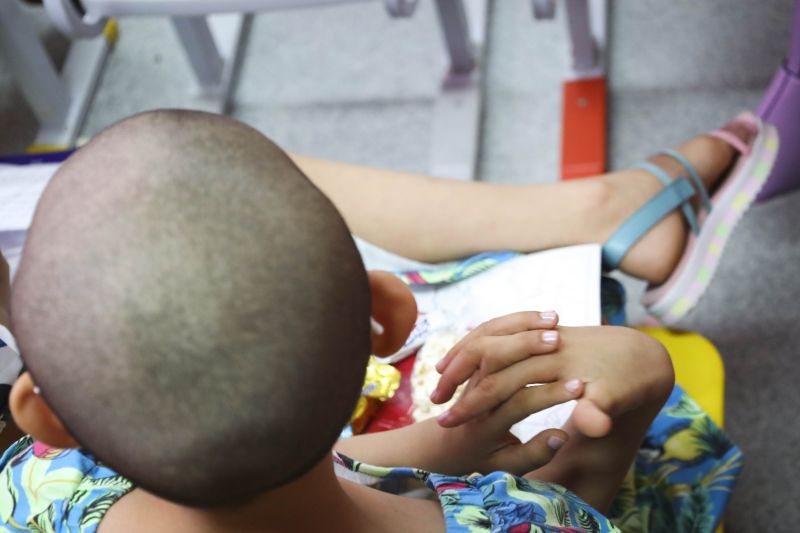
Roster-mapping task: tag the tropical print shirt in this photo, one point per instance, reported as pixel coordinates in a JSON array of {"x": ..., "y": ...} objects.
[
  {"x": 51, "y": 490},
  {"x": 498, "y": 502},
  {"x": 680, "y": 482},
  {"x": 683, "y": 474}
]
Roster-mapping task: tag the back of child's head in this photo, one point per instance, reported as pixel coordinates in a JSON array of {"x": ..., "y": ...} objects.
[{"x": 192, "y": 308}]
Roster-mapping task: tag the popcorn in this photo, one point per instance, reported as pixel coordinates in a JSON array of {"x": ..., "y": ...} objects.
[{"x": 424, "y": 377}]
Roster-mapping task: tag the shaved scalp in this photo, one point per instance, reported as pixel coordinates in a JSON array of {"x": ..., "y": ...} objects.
[{"x": 193, "y": 309}]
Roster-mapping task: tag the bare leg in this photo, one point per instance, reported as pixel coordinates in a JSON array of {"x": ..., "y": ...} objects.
[{"x": 433, "y": 220}]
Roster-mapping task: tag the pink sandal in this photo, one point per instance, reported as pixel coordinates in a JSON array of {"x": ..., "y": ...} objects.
[
  {"x": 710, "y": 228},
  {"x": 670, "y": 301}
]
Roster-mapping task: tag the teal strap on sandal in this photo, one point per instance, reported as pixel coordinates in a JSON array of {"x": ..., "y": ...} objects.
[
  {"x": 674, "y": 195},
  {"x": 664, "y": 178},
  {"x": 698, "y": 183}
]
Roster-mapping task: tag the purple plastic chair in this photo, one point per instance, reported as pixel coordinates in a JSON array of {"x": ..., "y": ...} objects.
[{"x": 781, "y": 107}]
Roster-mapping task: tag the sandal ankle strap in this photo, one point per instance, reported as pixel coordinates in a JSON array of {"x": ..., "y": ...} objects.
[
  {"x": 676, "y": 194},
  {"x": 666, "y": 180},
  {"x": 698, "y": 183},
  {"x": 737, "y": 144}
]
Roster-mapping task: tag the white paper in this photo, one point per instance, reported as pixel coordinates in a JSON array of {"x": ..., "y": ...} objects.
[
  {"x": 20, "y": 189},
  {"x": 566, "y": 280}
]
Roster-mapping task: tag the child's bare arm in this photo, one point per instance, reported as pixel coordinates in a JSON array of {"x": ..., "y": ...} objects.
[
  {"x": 473, "y": 447},
  {"x": 482, "y": 444}
]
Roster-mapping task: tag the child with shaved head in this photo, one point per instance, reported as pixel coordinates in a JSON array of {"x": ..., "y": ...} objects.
[{"x": 194, "y": 320}]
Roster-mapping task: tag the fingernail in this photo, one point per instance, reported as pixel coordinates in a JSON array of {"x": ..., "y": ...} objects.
[
  {"x": 444, "y": 418},
  {"x": 439, "y": 365},
  {"x": 548, "y": 316},
  {"x": 555, "y": 442},
  {"x": 572, "y": 385},
  {"x": 435, "y": 395},
  {"x": 549, "y": 337}
]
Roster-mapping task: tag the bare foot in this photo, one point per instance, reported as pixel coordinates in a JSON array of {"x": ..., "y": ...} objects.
[{"x": 655, "y": 256}]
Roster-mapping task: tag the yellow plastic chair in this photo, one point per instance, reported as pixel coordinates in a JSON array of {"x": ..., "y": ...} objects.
[{"x": 698, "y": 369}]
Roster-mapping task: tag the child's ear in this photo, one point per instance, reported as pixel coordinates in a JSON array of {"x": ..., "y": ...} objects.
[
  {"x": 34, "y": 416},
  {"x": 394, "y": 308}
]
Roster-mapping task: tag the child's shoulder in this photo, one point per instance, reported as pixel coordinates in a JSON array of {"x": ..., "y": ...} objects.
[{"x": 50, "y": 489}]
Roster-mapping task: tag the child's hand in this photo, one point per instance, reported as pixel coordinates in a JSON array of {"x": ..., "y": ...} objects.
[
  {"x": 484, "y": 444},
  {"x": 493, "y": 346},
  {"x": 621, "y": 368}
]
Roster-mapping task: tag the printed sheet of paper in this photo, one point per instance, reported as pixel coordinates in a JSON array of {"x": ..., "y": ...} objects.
[
  {"x": 564, "y": 279},
  {"x": 20, "y": 189}
]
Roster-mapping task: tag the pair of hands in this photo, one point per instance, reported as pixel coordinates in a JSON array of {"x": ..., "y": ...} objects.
[{"x": 608, "y": 370}]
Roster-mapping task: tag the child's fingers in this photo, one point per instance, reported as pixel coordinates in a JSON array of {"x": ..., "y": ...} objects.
[
  {"x": 519, "y": 459},
  {"x": 504, "y": 325},
  {"x": 531, "y": 400},
  {"x": 494, "y": 389},
  {"x": 492, "y": 354}
]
